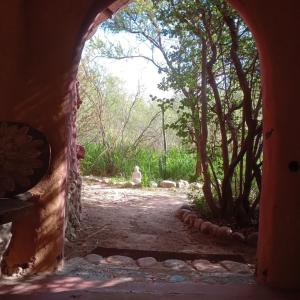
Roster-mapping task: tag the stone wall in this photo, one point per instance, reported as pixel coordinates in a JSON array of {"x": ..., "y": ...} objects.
[
  {"x": 5, "y": 236},
  {"x": 75, "y": 152}
]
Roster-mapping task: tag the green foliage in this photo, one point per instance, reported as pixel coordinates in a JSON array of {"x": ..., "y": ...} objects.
[
  {"x": 197, "y": 198},
  {"x": 208, "y": 58},
  {"x": 95, "y": 160},
  {"x": 180, "y": 163},
  {"x": 112, "y": 115}
]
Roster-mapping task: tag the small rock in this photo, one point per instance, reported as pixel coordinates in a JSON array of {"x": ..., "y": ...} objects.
[
  {"x": 197, "y": 223},
  {"x": 206, "y": 227},
  {"x": 252, "y": 238},
  {"x": 137, "y": 185},
  {"x": 130, "y": 184},
  {"x": 235, "y": 267},
  {"x": 67, "y": 241},
  {"x": 238, "y": 236},
  {"x": 196, "y": 185},
  {"x": 178, "y": 278},
  {"x": 185, "y": 214},
  {"x": 190, "y": 219},
  {"x": 75, "y": 261},
  {"x": 120, "y": 260},
  {"x": 167, "y": 184},
  {"x": 153, "y": 184},
  {"x": 106, "y": 180},
  {"x": 186, "y": 206},
  {"x": 175, "y": 264},
  {"x": 204, "y": 265},
  {"x": 92, "y": 178},
  {"x": 94, "y": 258},
  {"x": 214, "y": 229},
  {"x": 180, "y": 212},
  {"x": 146, "y": 262},
  {"x": 224, "y": 232},
  {"x": 182, "y": 184},
  {"x": 72, "y": 264}
]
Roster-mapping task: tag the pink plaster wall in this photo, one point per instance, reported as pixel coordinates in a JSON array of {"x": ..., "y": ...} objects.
[
  {"x": 275, "y": 25},
  {"x": 42, "y": 49}
]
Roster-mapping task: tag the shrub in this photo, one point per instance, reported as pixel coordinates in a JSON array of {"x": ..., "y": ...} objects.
[
  {"x": 197, "y": 198},
  {"x": 121, "y": 161}
]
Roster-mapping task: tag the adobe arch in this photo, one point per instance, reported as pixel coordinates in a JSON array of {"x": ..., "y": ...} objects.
[{"x": 41, "y": 55}]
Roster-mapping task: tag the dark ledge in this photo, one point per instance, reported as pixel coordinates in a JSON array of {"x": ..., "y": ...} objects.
[
  {"x": 11, "y": 208},
  {"x": 163, "y": 255}
]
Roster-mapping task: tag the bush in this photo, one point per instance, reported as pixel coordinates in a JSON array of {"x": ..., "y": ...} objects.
[
  {"x": 197, "y": 198},
  {"x": 94, "y": 162},
  {"x": 180, "y": 164},
  {"x": 121, "y": 161}
]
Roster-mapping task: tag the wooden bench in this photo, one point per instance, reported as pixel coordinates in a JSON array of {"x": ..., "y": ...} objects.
[{"x": 24, "y": 160}]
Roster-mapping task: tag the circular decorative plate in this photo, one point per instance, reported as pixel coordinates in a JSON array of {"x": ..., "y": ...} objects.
[{"x": 24, "y": 158}]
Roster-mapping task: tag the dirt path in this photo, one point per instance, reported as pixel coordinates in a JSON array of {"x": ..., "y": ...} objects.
[{"x": 142, "y": 219}]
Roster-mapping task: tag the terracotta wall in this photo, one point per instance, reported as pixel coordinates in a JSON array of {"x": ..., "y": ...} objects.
[
  {"x": 275, "y": 25},
  {"x": 38, "y": 66}
]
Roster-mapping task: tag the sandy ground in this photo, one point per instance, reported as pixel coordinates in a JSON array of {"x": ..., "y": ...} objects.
[{"x": 142, "y": 219}]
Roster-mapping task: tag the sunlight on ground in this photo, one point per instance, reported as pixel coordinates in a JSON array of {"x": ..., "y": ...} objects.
[{"x": 59, "y": 285}]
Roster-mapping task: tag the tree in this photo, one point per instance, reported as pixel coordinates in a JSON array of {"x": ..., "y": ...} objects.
[{"x": 111, "y": 117}]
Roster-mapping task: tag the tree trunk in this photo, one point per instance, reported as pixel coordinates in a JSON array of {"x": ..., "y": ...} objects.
[
  {"x": 164, "y": 139},
  {"x": 204, "y": 131},
  {"x": 199, "y": 170}
]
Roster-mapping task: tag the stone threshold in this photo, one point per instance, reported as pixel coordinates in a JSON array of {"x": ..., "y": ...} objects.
[{"x": 164, "y": 255}]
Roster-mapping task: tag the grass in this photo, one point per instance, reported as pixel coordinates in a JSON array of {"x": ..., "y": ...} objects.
[{"x": 120, "y": 162}]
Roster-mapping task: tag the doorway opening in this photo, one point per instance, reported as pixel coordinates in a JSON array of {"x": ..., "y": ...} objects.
[{"x": 209, "y": 68}]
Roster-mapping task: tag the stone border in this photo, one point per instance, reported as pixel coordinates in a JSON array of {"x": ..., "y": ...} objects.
[
  {"x": 222, "y": 232},
  {"x": 96, "y": 267},
  {"x": 119, "y": 261}
]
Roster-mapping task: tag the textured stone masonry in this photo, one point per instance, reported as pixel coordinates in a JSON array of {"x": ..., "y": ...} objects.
[{"x": 96, "y": 267}]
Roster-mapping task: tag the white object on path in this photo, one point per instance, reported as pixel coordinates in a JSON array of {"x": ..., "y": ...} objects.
[{"x": 137, "y": 175}]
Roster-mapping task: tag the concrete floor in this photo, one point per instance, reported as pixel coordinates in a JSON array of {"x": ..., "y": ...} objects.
[{"x": 63, "y": 288}]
